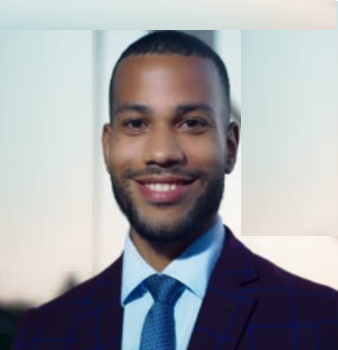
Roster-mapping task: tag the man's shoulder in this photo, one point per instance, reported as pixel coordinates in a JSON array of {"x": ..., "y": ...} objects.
[
  {"x": 271, "y": 273},
  {"x": 307, "y": 297},
  {"x": 279, "y": 309},
  {"x": 106, "y": 282},
  {"x": 277, "y": 291},
  {"x": 62, "y": 313},
  {"x": 268, "y": 275}
]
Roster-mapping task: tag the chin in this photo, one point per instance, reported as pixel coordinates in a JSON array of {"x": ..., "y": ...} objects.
[{"x": 164, "y": 230}]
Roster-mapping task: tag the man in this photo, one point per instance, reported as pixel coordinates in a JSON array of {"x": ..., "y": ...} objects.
[{"x": 184, "y": 280}]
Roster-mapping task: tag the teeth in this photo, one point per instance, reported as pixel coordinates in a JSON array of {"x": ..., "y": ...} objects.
[{"x": 162, "y": 187}]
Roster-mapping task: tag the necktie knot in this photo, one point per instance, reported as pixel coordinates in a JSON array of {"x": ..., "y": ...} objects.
[{"x": 164, "y": 288}]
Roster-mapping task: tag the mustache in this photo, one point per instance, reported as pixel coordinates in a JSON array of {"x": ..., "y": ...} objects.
[{"x": 155, "y": 170}]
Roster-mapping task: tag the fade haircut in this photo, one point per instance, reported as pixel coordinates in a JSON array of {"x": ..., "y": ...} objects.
[{"x": 172, "y": 42}]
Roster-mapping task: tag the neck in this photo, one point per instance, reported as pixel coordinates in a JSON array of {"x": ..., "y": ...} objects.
[{"x": 160, "y": 254}]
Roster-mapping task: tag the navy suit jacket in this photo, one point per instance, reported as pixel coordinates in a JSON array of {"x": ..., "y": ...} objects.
[{"x": 250, "y": 304}]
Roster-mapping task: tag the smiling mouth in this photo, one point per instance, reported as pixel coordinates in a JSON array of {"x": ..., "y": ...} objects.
[{"x": 171, "y": 192}]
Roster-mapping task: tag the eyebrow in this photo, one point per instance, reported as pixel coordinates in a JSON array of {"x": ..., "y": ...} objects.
[
  {"x": 133, "y": 107},
  {"x": 179, "y": 110},
  {"x": 187, "y": 108}
]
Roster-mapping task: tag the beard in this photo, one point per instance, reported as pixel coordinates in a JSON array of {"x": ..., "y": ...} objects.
[{"x": 198, "y": 217}]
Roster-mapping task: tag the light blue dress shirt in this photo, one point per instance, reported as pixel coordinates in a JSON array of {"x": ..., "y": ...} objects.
[{"x": 193, "y": 268}]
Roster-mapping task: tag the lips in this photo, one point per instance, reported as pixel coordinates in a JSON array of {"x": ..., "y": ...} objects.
[{"x": 164, "y": 189}]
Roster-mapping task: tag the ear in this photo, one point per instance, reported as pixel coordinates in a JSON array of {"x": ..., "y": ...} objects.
[
  {"x": 106, "y": 138},
  {"x": 232, "y": 143}
]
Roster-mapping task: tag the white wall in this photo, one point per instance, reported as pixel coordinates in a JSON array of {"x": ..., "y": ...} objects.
[
  {"x": 45, "y": 160},
  {"x": 126, "y": 14},
  {"x": 289, "y": 127},
  {"x": 289, "y": 132}
]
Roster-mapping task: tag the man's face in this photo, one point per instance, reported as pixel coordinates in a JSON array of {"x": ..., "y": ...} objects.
[{"x": 170, "y": 144}]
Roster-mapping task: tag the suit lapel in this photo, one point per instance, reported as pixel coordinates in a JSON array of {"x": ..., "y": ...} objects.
[{"x": 226, "y": 310}]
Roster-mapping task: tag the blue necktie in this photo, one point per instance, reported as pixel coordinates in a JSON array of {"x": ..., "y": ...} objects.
[{"x": 158, "y": 331}]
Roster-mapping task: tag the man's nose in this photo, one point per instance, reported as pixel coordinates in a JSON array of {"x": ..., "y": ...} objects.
[{"x": 163, "y": 148}]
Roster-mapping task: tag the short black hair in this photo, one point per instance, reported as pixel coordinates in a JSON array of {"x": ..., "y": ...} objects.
[{"x": 172, "y": 42}]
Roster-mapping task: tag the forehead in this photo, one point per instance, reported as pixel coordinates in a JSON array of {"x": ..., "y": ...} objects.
[{"x": 163, "y": 80}]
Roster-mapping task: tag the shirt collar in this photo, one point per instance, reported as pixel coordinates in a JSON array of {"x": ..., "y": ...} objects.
[{"x": 203, "y": 252}]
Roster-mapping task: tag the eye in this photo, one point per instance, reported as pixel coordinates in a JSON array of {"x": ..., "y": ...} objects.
[
  {"x": 194, "y": 123},
  {"x": 134, "y": 124}
]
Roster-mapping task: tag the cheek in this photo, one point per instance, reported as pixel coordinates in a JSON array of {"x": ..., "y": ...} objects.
[
  {"x": 123, "y": 154},
  {"x": 206, "y": 155}
]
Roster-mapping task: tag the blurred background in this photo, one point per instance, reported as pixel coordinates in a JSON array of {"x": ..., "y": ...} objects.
[
  {"x": 59, "y": 224},
  {"x": 290, "y": 108},
  {"x": 229, "y": 14}
]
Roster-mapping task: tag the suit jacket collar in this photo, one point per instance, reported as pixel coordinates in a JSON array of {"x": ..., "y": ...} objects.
[{"x": 225, "y": 311}]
